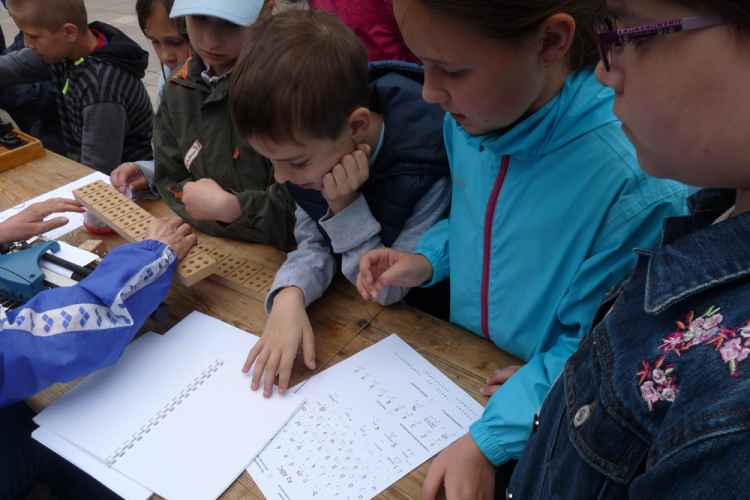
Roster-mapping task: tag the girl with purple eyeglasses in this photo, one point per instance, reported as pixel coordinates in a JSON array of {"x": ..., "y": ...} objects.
[
  {"x": 548, "y": 202},
  {"x": 654, "y": 403}
]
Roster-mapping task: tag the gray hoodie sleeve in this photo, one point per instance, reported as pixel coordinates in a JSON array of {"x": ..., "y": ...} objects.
[
  {"x": 310, "y": 267},
  {"x": 354, "y": 231},
  {"x": 104, "y": 128},
  {"x": 23, "y": 66}
]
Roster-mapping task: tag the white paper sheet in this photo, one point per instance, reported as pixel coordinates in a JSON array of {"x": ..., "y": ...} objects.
[
  {"x": 109, "y": 477},
  {"x": 368, "y": 421},
  {"x": 75, "y": 219},
  {"x": 71, "y": 254},
  {"x": 194, "y": 451}
]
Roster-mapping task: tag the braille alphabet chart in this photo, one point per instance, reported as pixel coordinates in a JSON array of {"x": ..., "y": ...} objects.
[{"x": 367, "y": 422}]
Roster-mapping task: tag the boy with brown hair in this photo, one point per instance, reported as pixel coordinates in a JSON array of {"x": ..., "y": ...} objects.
[
  {"x": 358, "y": 148},
  {"x": 203, "y": 170},
  {"x": 105, "y": 111}
]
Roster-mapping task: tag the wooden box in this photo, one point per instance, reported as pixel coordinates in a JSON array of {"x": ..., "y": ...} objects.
[{"x": 23, "y": 154}]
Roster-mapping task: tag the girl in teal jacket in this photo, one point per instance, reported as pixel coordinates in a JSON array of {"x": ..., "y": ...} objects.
[{"x": 548, "y": 203}]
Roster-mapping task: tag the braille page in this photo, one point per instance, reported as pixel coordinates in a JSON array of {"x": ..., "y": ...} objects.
[
  {"x": 366, "y": 423},
  {"x": 223, "y": 340},
  {"x": 172, "y": 418}
]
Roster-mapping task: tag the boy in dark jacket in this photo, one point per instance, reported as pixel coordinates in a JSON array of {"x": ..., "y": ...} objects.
[
  {"x": 203, "y": 170},
  {"x": 105, "y": 111},
  {"x": 365, "y": 162}
]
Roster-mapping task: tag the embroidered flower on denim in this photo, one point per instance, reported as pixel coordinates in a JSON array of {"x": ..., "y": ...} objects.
[
  {"x": 693, "y": 331},
  {"x": 733, "y": 352},
  {"x": 656, "y": 383}
]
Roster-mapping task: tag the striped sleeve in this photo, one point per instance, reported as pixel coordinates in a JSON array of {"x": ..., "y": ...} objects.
[{"x": 65, "y": 333}]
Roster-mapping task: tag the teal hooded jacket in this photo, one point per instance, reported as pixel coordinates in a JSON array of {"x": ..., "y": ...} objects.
[{"x": 543, "y": 223}]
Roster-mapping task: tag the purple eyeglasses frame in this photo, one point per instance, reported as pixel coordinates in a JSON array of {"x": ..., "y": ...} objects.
[{"x": 606, "y": 39}]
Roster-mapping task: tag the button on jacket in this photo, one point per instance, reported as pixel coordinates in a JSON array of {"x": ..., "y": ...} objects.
[{"x": 664, "y": 373}]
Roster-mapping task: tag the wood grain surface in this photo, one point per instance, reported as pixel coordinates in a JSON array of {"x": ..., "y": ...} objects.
[{"x": 343, "y": 322}]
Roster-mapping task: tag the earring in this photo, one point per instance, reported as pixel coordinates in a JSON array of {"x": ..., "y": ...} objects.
[{"x": 548, "y": 66}]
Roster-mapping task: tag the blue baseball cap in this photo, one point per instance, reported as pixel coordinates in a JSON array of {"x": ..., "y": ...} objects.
[{"x": 241, "y": 12}]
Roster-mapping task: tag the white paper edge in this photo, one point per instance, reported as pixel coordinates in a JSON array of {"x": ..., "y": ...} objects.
[{"x": 109, "y": 477}]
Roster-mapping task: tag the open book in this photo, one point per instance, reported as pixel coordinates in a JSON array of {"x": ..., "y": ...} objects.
[{"x": 174, "y": 415}]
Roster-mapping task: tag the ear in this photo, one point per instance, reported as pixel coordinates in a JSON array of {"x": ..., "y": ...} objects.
[
  {"x": 359, "y": 124},
  {"x": 71, "y": 32},
  {"x": 268, "y": 7},
  {"x": 556, "y": 34}
]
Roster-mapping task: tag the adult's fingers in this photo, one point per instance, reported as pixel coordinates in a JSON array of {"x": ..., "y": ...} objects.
[
  {"x": 175, "y": 222},
  {"x": 49, "y": 225}
]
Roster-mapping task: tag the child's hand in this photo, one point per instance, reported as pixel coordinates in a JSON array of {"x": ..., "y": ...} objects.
[
  {"x": 341, "y": 183},
  {"x": 128, "y": 176},
  {"x": 206, "y": 200},
  {"x": 499, "y": 378},
  {"x": 464, "y": 470},
  {"x": 173, "y": 232},
  {"x": 287, "y": 325},
  {"x": 383, "y": 267},
  {"x": 30, "y": 221}
]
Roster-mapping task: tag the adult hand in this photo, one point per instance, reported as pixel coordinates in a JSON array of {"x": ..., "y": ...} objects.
[
  {"x": 499, "y": 378},
  {"x": 383, "y": 267},
  {"x": 30, "y": 221},
  {"x": 287, "y": 326},
  {"x": 340, "y": 185},
  {"x": 204, "y": 199},
  {"x": 464, "y": 471},
  {"x": 128, "y": 176},
  {"x": 173, "y": 232}
]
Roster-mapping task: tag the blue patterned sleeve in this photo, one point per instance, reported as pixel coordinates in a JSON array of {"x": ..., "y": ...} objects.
[{"x": 65, "y": 333}]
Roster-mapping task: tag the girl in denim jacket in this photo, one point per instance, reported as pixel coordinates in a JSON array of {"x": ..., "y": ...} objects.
[
  {"x": 654, "y": 403},
  {"x": 548, "y": 202}
]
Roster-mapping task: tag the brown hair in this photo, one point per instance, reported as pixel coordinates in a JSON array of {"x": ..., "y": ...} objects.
[
  {"x": 300, "y": 72},
  {"x": 143, "y": 9},
  {"x": 53, "y": 14},
  {"x": 516, "y": 20}
]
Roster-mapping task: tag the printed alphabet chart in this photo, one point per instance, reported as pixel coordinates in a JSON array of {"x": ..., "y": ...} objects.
[{"x": 367, "y": 422}]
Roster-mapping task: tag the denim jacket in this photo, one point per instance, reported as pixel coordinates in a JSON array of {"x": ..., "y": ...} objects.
[{"x": 655, "y": 403}]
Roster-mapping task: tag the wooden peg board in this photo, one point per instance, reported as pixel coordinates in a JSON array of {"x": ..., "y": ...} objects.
[
  {"x": 131, "y": 221},
  {"x": 247, "y": 277}
]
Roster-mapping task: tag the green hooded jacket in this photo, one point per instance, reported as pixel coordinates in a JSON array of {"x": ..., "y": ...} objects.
[{"x": 194, "y": 138}]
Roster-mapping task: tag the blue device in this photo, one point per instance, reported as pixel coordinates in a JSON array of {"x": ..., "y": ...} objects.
[{"x": 21, "y": 277}]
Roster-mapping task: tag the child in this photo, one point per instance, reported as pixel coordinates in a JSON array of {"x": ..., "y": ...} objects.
[
  {"x": 204, "y": 172},
  {"x": 105, "y": 112},
  {"x": 548, "y": 202},
  {"x": 362, "y": 178},
  {"x": 172, "y": 47},
  {"x": 654, "y": 402},
  {"x": 374, "y": 24},
  {"x": 55, "y": 337}
]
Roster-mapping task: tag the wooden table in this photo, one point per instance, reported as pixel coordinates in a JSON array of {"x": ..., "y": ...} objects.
[{"x": 343, "y": 322}]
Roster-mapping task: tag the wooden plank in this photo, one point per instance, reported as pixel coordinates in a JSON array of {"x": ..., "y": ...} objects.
[{"x": 131, "y": 222}]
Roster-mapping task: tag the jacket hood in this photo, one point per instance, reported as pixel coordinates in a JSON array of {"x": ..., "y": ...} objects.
[
  {"x": 581, "y": 106},
  {"x": 120, "y": 51}
]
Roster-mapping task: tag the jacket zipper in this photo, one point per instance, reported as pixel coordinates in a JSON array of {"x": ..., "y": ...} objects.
[{"x": 489, "y": 217}]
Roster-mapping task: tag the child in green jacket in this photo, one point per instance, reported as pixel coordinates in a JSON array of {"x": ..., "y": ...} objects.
[{"x": 203, "y": 170}]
